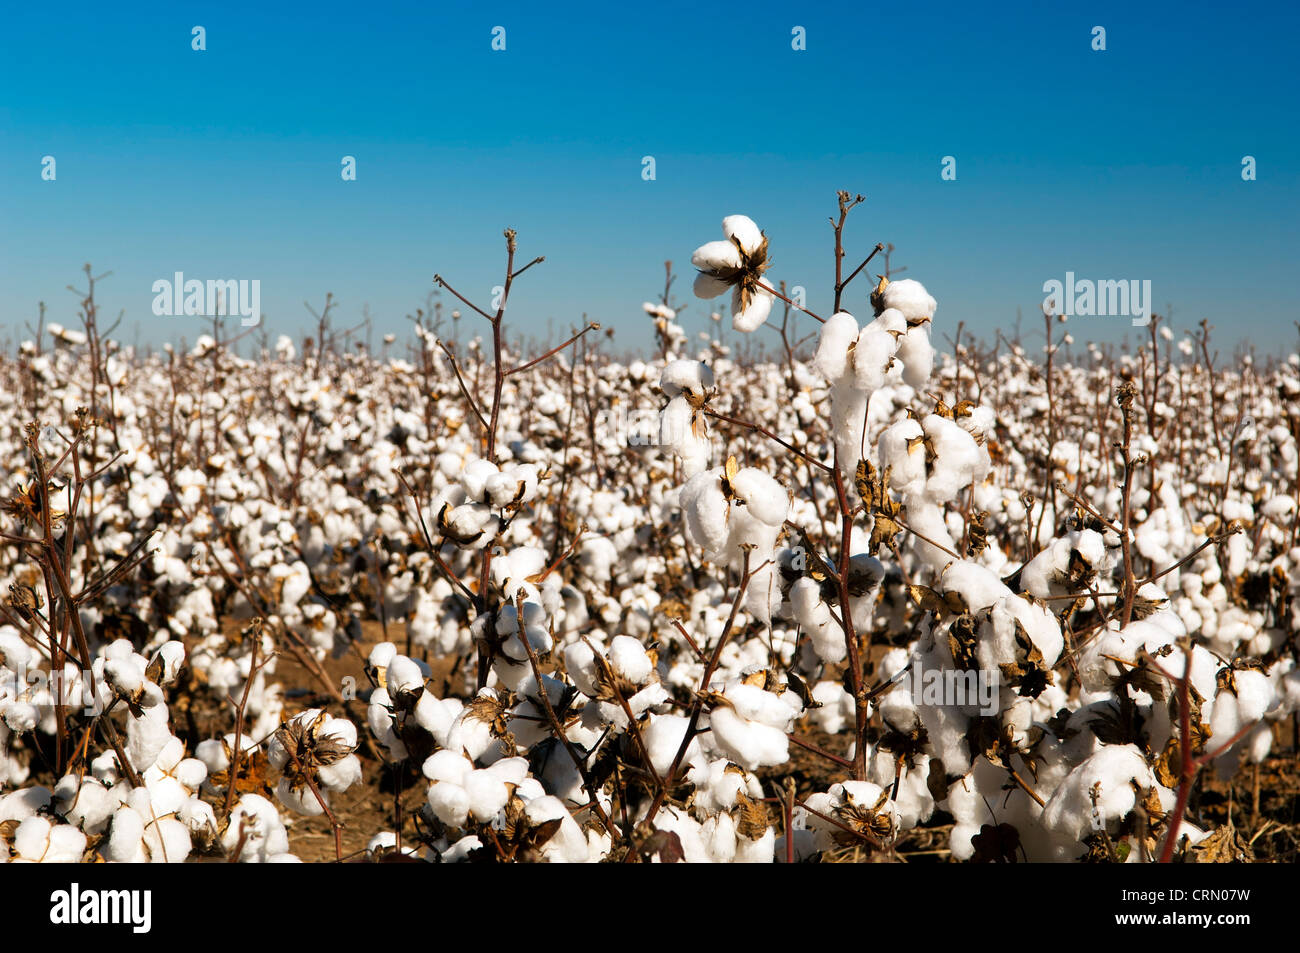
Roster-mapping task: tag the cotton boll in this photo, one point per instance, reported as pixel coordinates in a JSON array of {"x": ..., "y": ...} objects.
[
  {"x": 146, "y": 735},
  {"x": 741, "y": 229},
  {"x": 958, "y": 460},
  {"x": 1110, "y": 772},
  {"x": 917, "y": 356},
  {"x": 256, "y": 820},
  {"x": 403, "y": 675},
  {"x": 663, "y": 739},
  {"x": 568, "y": 845},
  {"x": 750, "y": 744},
  {"x": 706, "y": 286},
  {"x": 685, "y": 376},
  {"x": 748, "y": 312},
  {"x": 706, "y": 511},
  {"x": 874, "y": 353},
  {"x": 836, "y": 709},
  {"x": 838, "y": 333},
  {"x": 87, "y": 804},
  {"x": 716, "y": 256},
  {"x": 475, "y": 476},
  {"x": 901, "y": 451},
  {"x": 910, "y": 298},
  {"x": 765, "y": 499},
  {"x": 627, "y": 657}
]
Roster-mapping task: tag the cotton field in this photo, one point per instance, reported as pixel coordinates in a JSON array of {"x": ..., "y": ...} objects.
[{"x": 788, "y": 587}]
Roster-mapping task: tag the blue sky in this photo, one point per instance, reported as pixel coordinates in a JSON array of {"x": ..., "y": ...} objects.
[{"x": 225, "y": 163}]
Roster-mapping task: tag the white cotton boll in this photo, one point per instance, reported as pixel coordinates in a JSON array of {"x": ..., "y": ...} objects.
[
  {"x": 750, "y": 744},
  {"x": 719, "y": 835},
  {"x": 436, "y": 715},
  {"x": 173, "y": 657},
  {"x": 125, "y": 676},
  {"x": 663, "y": 739},
  {"x": 475, "y": 476},
  {"x": 1110, "y": 772},
  {"x": 569, "y": 844},
  {"x": 447, "y": 766},
  {"x": 501, "y": 488},
  {"x": 706, "y": 286},
  {"x": 469, "y": 519},
  {"x": 832, "y": 357},
  {"x": 256, "y": 820},
  {"x": 486, "y": 794},
  {"x": 168, "y": 841},
  {"x": 874, "y": 355},
  {"x": 381, "y": 654},
  {"x": 765, "y": 498},
  {"x": 31, "y": 838},
  {"x": 684, "y": 375},
  {"x": 404, "y": 675},
  {"x": 902, "y": 453},
  {"x": 449, "y": 803},
  {"x": 19, "y": 717},
  {"x": 87, "y": 805},
  {"x": 747, "y": 317},
  {"x": 706, "y": 511},
  {"x": 627, "y": 657},
  {"x": 580, "y": 663},
  {"x": 340, "y": 775},
  {"x": 146, "y": 736},
  {"x": 741, "y": 228},
  {"x": 917, "y": 356},
  {"x": 199, "y": 818},
  {"x": 125, "y": 837},
  {"x": 836, "y": 709},
  {"x": 959, "y": 460},
  {"x": 979, "y": 423},
  {"x": 909, "y": 297},
  {"x": 23, "y": 803},
  {"x": 716, "y": 256}
]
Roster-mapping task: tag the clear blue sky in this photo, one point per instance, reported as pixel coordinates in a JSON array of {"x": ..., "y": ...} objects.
[{"x": 225, "y": 163}]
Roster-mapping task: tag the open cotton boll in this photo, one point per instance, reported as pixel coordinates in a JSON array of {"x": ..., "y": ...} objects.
[
  {"x": 750, "y": 744},
  {"x": 765, "y": 498},
  {"x": 836, "y": 710},
  {"x": 958, "y": 460},
  {"x": 628, "y": 657},
  {"x": 569, "y": 844},
  {"x": 87, "y": 804},
  {"x": 741, "y": 229},
  {"x": 146, "y": 735},
  {"x": 475, "y": 476},
  {"x": 1110, "y": 774},
  {"x": 685, "y": 375},
  {"x": 255, "y": 821},
  {"x": 663, "y": 739},
  {"x": 910, "y": 298},
  {"x": 901, "y": 451},
  {"x": 749, "y": 315},
  {"x": 38, "y": 841},
  {"x": 706, "y": 511},
  {"x": 838, "y": 333},
  {"x": 873, "y": 355},
  {"x": 706, "y": 286},
  {"x": 716, "y": 256},
  {"x": 815, "y": 617},
  {"x": 917, "y": 357}
]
